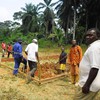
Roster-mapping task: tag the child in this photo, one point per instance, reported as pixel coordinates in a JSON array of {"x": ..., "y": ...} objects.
[{"x": 62, "y": 60}]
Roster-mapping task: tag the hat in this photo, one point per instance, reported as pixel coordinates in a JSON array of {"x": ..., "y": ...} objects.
[
  {"x": 20, "y": 40},
  {"x": 34, "y": 40}
]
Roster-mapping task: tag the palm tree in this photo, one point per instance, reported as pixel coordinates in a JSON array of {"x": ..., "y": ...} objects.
[
  {"x": 48, "y": 15},
  {"x": 67, "y": 11},
  {"x": 29, "y": 17}
]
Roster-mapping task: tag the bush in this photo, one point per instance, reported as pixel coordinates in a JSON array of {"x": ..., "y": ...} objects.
[{"x": 43, "y": 43}]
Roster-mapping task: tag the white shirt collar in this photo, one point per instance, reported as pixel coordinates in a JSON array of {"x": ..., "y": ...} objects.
[{"x": 94, "y": 42}]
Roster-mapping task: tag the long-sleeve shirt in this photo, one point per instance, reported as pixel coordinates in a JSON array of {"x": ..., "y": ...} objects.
[
  {"x": 75, "y": 55},
  {"x": 17, "y": 50}
]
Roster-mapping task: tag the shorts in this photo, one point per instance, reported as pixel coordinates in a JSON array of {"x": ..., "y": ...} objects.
[{"x": 62, "y": 66}]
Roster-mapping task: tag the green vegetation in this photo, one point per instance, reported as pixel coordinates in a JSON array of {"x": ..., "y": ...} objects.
[{"x": 57, "y": 22}]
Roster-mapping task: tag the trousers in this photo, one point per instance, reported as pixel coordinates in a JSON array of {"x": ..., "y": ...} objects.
[
  {"x": 33, "y": 67},
  {"x": 17, "y": 64}
]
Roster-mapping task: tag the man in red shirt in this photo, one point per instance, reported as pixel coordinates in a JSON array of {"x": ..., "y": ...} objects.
[
  {"x": 9, "y": 49},
  {"x": 3, "y": 48}
]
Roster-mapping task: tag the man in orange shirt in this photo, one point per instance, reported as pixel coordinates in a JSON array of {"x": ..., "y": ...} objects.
[
  {"x": 9, "y": 49},
  {"x": 75, "y": 56}
]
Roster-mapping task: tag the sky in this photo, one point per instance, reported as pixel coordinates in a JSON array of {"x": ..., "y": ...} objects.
[{"x": 9, "y": 7}]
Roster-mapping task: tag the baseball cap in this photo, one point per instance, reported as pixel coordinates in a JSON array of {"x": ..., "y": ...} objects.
[
  {"x": 20, "y": 40},
  {"x": 35, "y": 40}
]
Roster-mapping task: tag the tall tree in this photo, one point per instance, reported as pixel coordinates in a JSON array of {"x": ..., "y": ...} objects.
[
  {"x": 67, "y": 11},
  {"x": 48, "y": 15},
  {"x": 29, "y": 17},
  {"x": 91, "y": 13}
]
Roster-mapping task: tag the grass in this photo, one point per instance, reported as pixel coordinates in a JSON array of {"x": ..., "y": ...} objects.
[{"x": 15, "y": 88}]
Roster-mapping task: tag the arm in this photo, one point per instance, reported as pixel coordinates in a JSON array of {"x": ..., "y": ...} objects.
[
  {"x": 92, "y": 75},
  {"x": 20, "y": 51},
  {"x": 59, "y": 59},
  {"x": 69, "y": 57},
  {"x": 26, "y": 53},
  {"x": 26, "y": 50},
  {"x": 94, "y": 60},
  {"x": 80, "y": 51},
  {"x": 37, "y": 56}
]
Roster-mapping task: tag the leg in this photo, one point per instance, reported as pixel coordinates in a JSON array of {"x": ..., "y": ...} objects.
[
  {"x": 73, "y": 79},
  {"x": 8, "y": 54},
  {"x": 3, "y": 52},
  {"x": 30, "y": 64},
  {"x": 24, "y": 61},
  {"x": 76, "y": 73},
  {"x": 72, "y": 70},
  {"x": 33, "y": 68},
  {"x": 16, "y": 66},
  {"x": 76, "y": 78}
]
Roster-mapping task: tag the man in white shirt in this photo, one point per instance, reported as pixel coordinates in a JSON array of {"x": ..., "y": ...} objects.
[
  {"x": 89, "y": 82},
  {"x": 32, "y": 56}
]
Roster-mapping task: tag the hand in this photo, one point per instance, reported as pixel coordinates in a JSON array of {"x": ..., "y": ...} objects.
[{"x": 85, "y": 89}]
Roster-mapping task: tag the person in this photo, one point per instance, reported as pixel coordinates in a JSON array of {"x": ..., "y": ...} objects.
[
  {"x": 89, "y": 82},
  {"x": 9, "y": 49},
  {"x": 3, "y": 45},
  {"x": 75, "y": 56},
  {"x": 18, "y": 57},
  {"x": 62, "y": 60},
  {"x": 32, "y": 56}
]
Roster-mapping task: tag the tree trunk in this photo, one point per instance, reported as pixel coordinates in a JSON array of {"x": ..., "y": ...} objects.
[
  {"x": 96, "y": 24},
  {"x": 74, "y": 23},
  {"x": 86, "y": 22},
  {"x": 46, "y": 29}
]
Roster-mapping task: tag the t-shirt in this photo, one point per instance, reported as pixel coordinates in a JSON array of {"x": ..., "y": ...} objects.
[
  {"x": 63, "y": 57},
  {"x": 3, "y": 46},
  {"x": 91, "y": 59},
  {"x": 31, "y": 49},
  {"x": 9, "y": 48}
]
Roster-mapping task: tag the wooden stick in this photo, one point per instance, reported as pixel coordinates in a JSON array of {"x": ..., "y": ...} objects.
[
  {"x": 39, "y": 67},
  {"x": 40, "y": 81},
  {"x": 55, "y": 77}
]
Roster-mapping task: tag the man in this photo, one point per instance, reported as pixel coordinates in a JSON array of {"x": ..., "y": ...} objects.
[
  {"x": 62, "y": 60},
  {"x": 3, "y": 45},
  {"x": 89, "y": 82},
  {"x": 32, "y": 56},
  {"x": 9, "y": 49},
  {"x": 75, "y": 56},
  {"x": 18, "y": 57}
]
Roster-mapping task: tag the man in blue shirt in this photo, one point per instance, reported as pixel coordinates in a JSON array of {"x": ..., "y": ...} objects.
[{"x": 18, "y": 57}]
